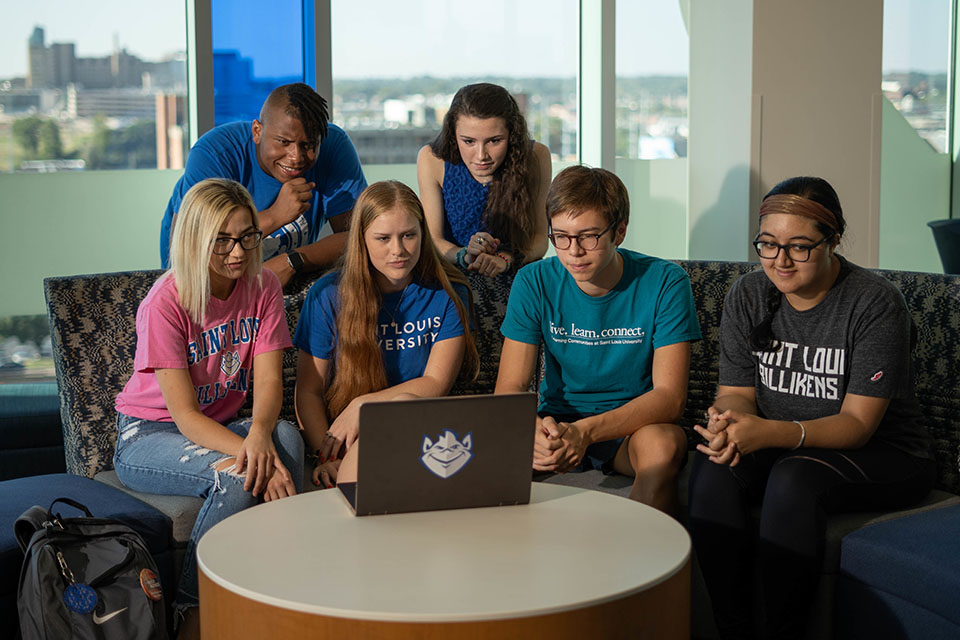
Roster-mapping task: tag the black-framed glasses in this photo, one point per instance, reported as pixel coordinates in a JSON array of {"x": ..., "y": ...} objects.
[
  {"x": 248, "y": 241},
  {"x": 586, "y": 241},
  {"x": 796, "y": 252}
]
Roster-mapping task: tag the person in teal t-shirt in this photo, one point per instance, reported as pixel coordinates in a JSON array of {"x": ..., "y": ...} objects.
[{"x": 616, "y": 326}]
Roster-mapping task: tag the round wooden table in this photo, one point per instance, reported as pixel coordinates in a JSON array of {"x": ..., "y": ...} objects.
[{"x": 571, "y": 564}]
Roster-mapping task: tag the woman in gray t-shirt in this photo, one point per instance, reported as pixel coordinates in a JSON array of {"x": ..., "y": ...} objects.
[{"x": 815, "y": 413}]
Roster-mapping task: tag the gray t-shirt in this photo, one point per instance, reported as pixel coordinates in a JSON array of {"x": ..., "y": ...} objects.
[{"x": 856, "y": 340}]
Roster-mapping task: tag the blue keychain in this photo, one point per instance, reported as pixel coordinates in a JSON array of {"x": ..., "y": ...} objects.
[{"x": 78, "y": 597}]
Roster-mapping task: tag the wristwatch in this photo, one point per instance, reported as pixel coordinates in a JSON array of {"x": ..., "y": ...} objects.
[{"x": 295, "y": 260}]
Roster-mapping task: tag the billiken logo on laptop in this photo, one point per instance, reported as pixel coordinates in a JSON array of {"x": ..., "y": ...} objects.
[{"x": 447, "y": 455}]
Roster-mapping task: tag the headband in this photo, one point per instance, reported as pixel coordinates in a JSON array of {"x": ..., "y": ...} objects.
[{"x": 799, "y": 206}]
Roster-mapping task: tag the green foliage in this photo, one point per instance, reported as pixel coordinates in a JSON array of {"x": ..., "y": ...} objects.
[
  {"x": 38, "y": 138},
  {"x": 134, "y": 147},
  {"x": 25, "y": 328},
  {"x": 48, "y": 138},
  {"x": 26, "y": 133}
]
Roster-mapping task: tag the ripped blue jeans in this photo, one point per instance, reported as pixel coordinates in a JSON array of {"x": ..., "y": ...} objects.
[{"x": 154, "y": 457}]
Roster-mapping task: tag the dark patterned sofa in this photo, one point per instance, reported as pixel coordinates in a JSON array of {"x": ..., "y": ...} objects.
[
  {"x": 934, "y": 302},
  {"x": 93, "y": 332}
]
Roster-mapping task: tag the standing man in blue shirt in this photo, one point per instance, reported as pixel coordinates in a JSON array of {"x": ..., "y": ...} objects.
[
  {"x": 616, "y": 327},
  {"x": 300, "y": 170}
]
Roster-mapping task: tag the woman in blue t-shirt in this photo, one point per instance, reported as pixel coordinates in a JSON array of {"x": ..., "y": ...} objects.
[
  {"x": 815, "y": 414},
  {"x": 387, "y": 325}
]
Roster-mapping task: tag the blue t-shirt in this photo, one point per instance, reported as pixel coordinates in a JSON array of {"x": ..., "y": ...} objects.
[
  {"x": 599, "y": 350},
  {"x": 410, "y": 322},
  {"x": 228, "y": 151}
]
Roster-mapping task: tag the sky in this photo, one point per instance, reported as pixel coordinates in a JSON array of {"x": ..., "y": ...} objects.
[
  {"x": 91, "y": 25},
  {"x": 435, "y": 37},
  {"x": 916, "y": 35}
]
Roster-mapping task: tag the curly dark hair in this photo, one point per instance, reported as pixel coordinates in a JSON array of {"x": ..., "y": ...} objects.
[
  {"x": 300, "y": 101},
  {"x": 508, "y": 214}
]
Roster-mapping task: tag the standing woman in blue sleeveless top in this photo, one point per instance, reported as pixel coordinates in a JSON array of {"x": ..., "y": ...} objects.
[{"x": 483, "y": 184}]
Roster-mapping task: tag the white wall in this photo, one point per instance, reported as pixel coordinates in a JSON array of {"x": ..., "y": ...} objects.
[
  {"x": 721, "y": 54},
  {"x": 817, "y": 108}
]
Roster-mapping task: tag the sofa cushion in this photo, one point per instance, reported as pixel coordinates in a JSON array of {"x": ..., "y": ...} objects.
[
  {"x": 615, "y": 483},
  {"x": 181, "y": 510},
  {"x": 914, "y": 558}
]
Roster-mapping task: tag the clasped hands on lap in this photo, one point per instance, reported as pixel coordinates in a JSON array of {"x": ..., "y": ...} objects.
[
  {"x": 720, "y": 433},
  {"x": 731, "y": 434},
  {"x": 558, "y": 446}
]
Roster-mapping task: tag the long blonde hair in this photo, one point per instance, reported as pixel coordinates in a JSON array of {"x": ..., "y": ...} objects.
[
  {"x": 203, "y": 211},
  {"x": 359, "y": 362}
]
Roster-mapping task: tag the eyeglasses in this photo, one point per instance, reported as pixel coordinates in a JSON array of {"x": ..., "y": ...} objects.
[
  {"x": 225, "y": 244},
  {"x": 586, "y": 241},
  {"x": 796, "y": 252}
]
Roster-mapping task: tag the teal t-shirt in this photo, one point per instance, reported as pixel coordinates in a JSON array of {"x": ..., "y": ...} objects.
[{"x": 599, "y": 351}]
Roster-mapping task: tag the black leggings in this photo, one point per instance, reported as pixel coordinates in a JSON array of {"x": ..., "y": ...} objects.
[{"x": 797, "y": 489}]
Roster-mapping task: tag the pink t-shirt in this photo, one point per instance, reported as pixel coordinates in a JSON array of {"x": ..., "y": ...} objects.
[{"x": 219, "y": 354}]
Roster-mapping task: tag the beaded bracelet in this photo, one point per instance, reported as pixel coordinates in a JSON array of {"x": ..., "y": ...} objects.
[
  {"x": 506, "y": 258},
  {"x": 460, "y": 261}
]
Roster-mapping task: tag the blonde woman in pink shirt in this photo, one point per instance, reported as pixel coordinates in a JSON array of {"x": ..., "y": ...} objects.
[{"x": 201, "y": 331}]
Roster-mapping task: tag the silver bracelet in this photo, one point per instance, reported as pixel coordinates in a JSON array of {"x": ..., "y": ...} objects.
[{"x": 803, "y": 435}]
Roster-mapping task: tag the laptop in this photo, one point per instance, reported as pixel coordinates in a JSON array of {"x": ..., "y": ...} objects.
[{"x": 443, "y": 453}]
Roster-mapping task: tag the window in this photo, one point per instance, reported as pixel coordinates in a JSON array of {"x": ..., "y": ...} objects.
[
  {"x": 916, "y": 56},
  {"x": 83, "y": 87},
  {"x": 396, "y": 66},
  {"x": 253, "y": 55},
  {"x": 653, "y": 61},
  {"x": 93, "y": 86}
]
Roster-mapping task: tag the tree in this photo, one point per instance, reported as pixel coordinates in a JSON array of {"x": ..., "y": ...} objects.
[
  {"x": 38, "y": 138},
  {"x": 25, "y": 327},
  {"x": 26, "y": 133},
  {"x": 99, "y": 145},
  {"x": 50, "y": 147},
  {"x": 134, "y": 147}
]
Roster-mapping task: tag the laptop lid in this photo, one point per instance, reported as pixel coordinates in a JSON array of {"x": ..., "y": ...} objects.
[{"x": 444, "y": 453}]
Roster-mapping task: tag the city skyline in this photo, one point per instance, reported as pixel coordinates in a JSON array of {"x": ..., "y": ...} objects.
[{"x": 656, "y": 26}]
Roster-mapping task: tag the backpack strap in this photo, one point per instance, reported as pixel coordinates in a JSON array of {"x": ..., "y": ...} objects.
[
  {"x": 72, "y": 503},
  {"x": 29, "y": 523}
]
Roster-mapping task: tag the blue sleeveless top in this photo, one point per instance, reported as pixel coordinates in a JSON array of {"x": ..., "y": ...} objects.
[{"x": 464, "y": 200}]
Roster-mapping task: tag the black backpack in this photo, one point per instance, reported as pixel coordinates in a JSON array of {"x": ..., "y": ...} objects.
[{"x": 86, "y": 578}]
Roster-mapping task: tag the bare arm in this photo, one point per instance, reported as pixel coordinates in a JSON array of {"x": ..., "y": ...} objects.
[
  {"x": 737, "y": 426},
  {"x": 443, "y": 364},
  {"x": 294, "y": 198},
  {"x": 518, "y": 362},
  {"x": 255, "y": 453},
  {"x": 319, "y": 255},
  {"x": 181, "y": 400},
  {"x": 430, "y": 181},
  {"x": 538, "y": 244},
  {"x": 312, "y": 381},
  {"x": 742, "y": 399}
]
